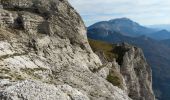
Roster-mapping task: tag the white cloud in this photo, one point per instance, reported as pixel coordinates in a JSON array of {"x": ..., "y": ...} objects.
[{"x": 142, "y": 11}]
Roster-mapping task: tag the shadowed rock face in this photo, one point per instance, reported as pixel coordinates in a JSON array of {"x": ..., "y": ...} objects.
[{"x": 45, "y": 55}]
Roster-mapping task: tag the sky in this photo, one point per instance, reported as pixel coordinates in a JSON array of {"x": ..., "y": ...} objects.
[{"x": 145, "y": 12}]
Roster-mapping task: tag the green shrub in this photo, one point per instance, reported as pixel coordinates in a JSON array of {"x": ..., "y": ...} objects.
[
  {"x": 110, "y": 51},
  {"x": 115, "y": 79}
]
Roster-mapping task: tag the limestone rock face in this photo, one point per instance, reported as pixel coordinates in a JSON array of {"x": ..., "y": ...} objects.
[
  {"x": 128, "y": 68},
  {"x": 45, "y": 54},
  {"x": 137, "y": 74},
  {"x": 39, "y": 91}
]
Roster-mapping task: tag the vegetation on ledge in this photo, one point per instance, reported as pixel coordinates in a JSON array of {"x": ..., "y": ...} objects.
[
  {"x": 110, "y": 51},
  {"x": 115, "y": 79}
]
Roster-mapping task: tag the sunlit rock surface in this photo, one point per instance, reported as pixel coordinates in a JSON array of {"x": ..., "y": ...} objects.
[{"x": 45, "y": 54}]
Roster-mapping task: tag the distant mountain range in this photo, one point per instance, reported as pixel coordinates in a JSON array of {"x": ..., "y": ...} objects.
[
  {"x": 124, "y": 26},
  {"x": 160, "y": 35},
  {"x": 161, "y": 27},
  {"x": 156, "y": 52},
  {"x": 129, "y": 28}
]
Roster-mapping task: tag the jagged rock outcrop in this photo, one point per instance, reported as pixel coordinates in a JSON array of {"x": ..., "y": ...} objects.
[
  {"x": 45, "y": 54},
  {"x": 127, "y": 68},
  {"x": 137, "y": 74}
]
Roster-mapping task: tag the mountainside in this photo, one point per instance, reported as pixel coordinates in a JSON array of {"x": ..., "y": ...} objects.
[
  {"x": 123, "y": 26},
  {"x": 160, "y": 35},
  {"x": 155, "y": 52},
  {"x": 127, "y": 27},
  {"x": 45, "y": 55},
  {"x": 166, "y": 42}
]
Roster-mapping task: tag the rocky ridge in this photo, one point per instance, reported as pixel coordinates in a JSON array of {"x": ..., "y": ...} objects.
[
  {"x": 137, "y": 74},
  {"x": 126, "y": 67},
  {"x": 45, "y": 54}
]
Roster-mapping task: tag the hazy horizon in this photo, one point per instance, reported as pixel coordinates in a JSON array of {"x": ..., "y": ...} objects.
[{"x": 145, "y": 12}]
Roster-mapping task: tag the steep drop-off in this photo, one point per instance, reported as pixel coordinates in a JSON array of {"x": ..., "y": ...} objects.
[
  {"x": 156, "y": 53},
  {"x": 128, "y": 68}
]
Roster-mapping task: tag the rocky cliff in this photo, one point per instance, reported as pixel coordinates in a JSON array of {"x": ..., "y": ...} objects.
[
  {"x": 137, "y": 73},
  {"x": 126, "y": 68},
  {"x": 45, "y": 55}
]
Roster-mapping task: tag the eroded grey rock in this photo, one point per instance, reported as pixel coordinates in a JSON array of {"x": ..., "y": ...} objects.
[
  {"x": 40, "y": 91},
  {"x": 135, "y": 75},
  {"x": 45, "y": 54}
]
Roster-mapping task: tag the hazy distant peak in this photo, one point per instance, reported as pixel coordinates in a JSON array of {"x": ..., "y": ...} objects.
[
  {"x": 164, "y": 31},
  {"x": 124, "y": 21},
  {"x": 161, "y": 26},
  {"x": 123, "y": 25},
  {"x": 121, "y": 19}
]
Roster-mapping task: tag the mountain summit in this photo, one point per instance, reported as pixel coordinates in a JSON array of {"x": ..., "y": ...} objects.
[
  {"x": 123, "y": 26},
  {"x": 123, "y": 21}
]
